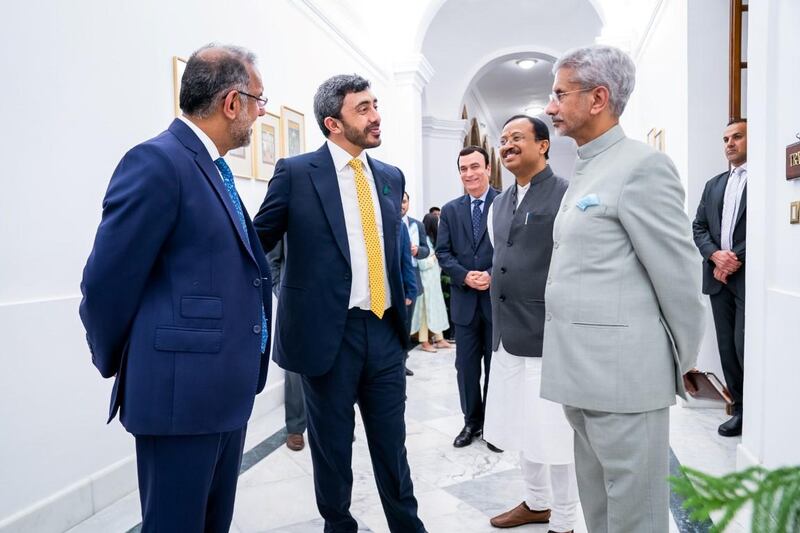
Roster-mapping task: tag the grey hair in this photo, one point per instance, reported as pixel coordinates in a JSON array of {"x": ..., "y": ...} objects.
[
  {"x": 330, "y": 96},
  {"x": 211, "y": 73},
  {"x": 602, "y": 66}
]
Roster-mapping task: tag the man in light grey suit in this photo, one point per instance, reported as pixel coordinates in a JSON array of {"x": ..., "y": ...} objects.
[{"x": 624, "y": 314}]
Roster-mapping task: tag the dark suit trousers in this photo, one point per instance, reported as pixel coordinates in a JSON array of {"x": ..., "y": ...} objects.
[
  {"x": 369, "y": 369},
  {"x": 188, "y": 482},
  {"x": 728, "y": 310},
  {"x": 473, "y": 347}
]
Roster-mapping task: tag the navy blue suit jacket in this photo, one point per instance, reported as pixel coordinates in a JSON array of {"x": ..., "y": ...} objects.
[
  {"x": 303, "y": 202},
  {"x": 458, "y": 254},
  {"x": 411, "y": 285},
  {"x": 173, "y": 292}
]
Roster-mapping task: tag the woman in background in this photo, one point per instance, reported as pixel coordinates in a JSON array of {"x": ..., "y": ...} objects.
[{"x": 430, "y": 314}]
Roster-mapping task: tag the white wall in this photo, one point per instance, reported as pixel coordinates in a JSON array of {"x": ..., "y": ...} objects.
[
  {"x": 772, "y": 365},
  {"x": 681, "y": 87},
  {"x": 84, "y": 82}
]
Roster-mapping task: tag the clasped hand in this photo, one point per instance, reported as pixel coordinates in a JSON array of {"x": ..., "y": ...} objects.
[
  {"x": 725, "y": 264},
  {"x": 479, "y": 281}
]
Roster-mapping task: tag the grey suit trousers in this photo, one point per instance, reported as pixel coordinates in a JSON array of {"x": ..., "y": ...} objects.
[
  {"x": 622, "y": 464},
  {"x": 295, "y": 403}
]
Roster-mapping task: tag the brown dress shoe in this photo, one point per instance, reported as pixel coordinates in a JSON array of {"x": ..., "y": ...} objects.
[
  {"x": 520, "y": 515},
  {"x": 295, "y": 442}
]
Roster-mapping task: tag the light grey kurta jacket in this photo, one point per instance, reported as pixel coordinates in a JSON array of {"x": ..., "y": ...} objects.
[{"x": 624, "y": 312}]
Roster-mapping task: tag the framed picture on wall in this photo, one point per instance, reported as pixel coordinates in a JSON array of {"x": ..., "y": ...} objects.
[
  {"x": 178, "y": 66},
  {"x": 655, "y": 138},
  {"x": 268, "y": 145},
  {"x": 293, "y": 132},
  {"x": 241, "y": 160}
]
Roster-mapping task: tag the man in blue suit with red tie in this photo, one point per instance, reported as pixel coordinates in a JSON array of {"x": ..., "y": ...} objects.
[
  {"x": 176, "y": 298},
  {"x": 340, "y": 212}
]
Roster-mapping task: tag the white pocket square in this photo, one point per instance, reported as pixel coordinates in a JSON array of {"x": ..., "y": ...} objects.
[{"x": 588, "y": 201}]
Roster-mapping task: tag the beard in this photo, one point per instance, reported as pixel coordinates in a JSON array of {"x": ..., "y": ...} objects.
[
  {"x": 241, "y": 130},
  {"x": 360, "y": 137}
]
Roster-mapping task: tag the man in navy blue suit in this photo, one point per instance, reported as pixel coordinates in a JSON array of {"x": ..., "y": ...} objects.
[
  {"x": 340, "y": 212},
  {"x": 176, "y": 300},
  {"x": 465, "y": 254}
]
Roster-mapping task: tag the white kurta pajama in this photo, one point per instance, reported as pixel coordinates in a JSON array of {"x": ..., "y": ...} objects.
[{"x": 519, "y": 419}]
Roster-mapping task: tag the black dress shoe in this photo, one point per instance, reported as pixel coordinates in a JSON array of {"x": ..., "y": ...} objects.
[
  {"x": 733, "y": 427},
  {"x": 465, "y": 437},
  {"x": 493, "y": 448},
  {"x": 409, "y": 372}
]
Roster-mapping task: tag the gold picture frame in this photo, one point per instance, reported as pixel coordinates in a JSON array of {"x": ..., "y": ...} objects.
[
  {"x": 794, "y": 213},
  {"x": 293, "y": 132},
  {"x": 178, "y": 66},
  {"x": 268, "y": 145},
  {"x": 655, "y": 138}
]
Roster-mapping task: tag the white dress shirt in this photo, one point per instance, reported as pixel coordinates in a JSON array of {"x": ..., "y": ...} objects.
[
  {"x": 521, "y": 192},
  {"x": 413, "y": 235},
  {"x": 731, "y": 204},
  {"x": 211, "y": 148},
  {"x": 359, "y": 288}
]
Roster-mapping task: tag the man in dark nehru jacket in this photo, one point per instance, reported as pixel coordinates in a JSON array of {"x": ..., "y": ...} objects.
[{"x": 520, "y": 225}]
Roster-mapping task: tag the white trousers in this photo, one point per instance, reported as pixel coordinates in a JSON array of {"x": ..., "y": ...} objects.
[{"x": 552, "y": 487}]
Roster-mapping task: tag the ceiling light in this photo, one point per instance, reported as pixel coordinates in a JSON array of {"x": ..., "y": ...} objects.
[
  {"x": 534, "y": 110},
  {"x": 526, "y": 64}
]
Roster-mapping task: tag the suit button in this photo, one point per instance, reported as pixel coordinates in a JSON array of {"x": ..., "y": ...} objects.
[
  {"x": 256, "y": 329},
  {"x": 347, "y": 277},
  {"x": 548, "y": 317},
  {"x": 502, "y": 270},
  {"x": 509, "y": 243},
  {"x": 257, "y": 282},
  {"x": 502, "y": 298},
  {"x": 564, "y": 207}
]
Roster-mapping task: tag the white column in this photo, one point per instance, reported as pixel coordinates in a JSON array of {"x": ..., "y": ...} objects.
[
  {"x": 441, "y": 141},
  {"x": 411, "y": 76}
]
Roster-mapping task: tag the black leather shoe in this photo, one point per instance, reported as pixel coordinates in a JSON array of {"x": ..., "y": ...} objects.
[
  {"x": 493, "y": 448},
  {"x": 409, "y": 372},
  {"x": 733, "y": 427},
  {"x": 465, "y": 437}
]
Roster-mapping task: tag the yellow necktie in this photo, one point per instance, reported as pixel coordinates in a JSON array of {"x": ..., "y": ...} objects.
[{"x": 377, "y": 291}]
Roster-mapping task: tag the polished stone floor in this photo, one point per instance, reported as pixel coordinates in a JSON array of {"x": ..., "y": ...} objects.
[{"x": 458, "y": 489}]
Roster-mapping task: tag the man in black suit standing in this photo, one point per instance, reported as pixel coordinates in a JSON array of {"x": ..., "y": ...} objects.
[
  {"x": 719, "y": 232},
  {"x": 338, "y": 211},
  {"x": 465, "y": 254}
]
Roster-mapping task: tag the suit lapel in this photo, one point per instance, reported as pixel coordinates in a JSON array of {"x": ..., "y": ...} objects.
[
  {"x": 484, "y": 215},
  {"x": 718, "y": 198},
  {"x": 210, "y": 171},
  {"x": 389, "y": 217},
  {"x": 466, "y": 218},
  {"x": 323, "y": 177},
  {"x": 742, "y": 206}
]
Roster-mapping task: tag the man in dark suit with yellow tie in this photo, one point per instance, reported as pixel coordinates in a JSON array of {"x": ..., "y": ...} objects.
[
  {"x": 720, "y": 229},
  {"x": 339, "y": 210}
]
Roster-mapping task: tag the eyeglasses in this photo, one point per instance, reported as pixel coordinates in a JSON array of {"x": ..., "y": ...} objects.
[
  {"x": 516, "y": 139},
  {"x": 557, "y": 97},
  {"x": 261, "y": 102}
]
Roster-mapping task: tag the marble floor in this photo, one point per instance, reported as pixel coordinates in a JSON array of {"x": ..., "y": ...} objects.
[{"x": 458, "y": 489}]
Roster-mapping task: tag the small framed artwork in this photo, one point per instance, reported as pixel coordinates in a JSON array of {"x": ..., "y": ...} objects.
[
  {"x": 655, "y": 138},
  {"x": 794, "y": 213},
  {"x": 268, "y": 145},
  {"x": 293, "y": 132},
  {"x": 178, "y": 66},
  {"x": 241, "y": 159}
]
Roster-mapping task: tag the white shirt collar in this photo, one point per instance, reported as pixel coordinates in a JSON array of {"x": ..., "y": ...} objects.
[
  {"x": 211, "y": 148},
  {"x": 341, "y": 159},
  {"x": 743, "y": 166},
  {"x": 481, "y": 197}
]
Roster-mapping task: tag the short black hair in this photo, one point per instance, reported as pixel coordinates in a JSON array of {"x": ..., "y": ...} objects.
[
  {"x": 211, "y": 73},
  {"x": 434, "y": 208},
  {"x": 736, "y": 121},
  {"x": 540, "y": 131},
  {"x": 471, "y": 150},
  {"x": 330, "y": 95}
]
